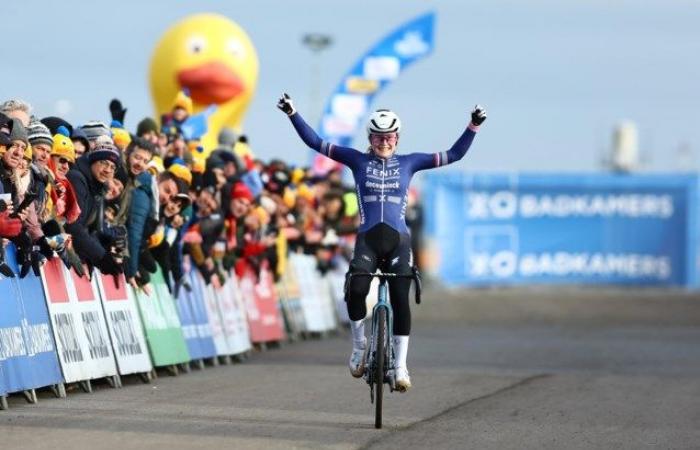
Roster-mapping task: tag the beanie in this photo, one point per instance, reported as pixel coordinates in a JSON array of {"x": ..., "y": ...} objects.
[
  {"x": 79, "y": 135},
  {"x": 182, "y": 172},
  {"x": 62, "y": 145},
  {"x": 104, "y": 152},
  {"x": 95, "y": 129},
  {"x": 227, "y": 138},
  {"x": 145, "y": 126},
  {"x": 18, "y": 133},
  {"x": 240, "y": 190},
  {"x": 121, "y": 137},
  {"x": 54, "y": 122},
  {"x": 38, "y": 133}
]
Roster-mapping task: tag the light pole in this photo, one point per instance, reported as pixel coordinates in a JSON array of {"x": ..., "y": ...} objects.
[{"x": 316, "y": 42}]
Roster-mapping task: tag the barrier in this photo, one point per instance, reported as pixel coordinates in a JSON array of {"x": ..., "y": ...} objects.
[
  {"x": 125, "y": 329},
  {"x": 336, "y": 280},
  {"x": 79, "y": 325},
  {"x": 161, "y": 323},
  {"x": 552, "y": 229},
  {"x": 195, "y": 324},
  {"x": 27, "y": 349},
  {"x": 264, "y": 318},
  {"x": 316, "y": 302},
  {"x": 289, "y": 295},
  {"x": 233, "y": 315}
]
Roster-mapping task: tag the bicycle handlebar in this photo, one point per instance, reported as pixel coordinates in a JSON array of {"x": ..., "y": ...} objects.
[{"x": 415, "y": 276}]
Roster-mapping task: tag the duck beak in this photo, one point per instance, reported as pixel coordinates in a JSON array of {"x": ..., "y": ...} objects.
[{"x": 212, "y": 82}]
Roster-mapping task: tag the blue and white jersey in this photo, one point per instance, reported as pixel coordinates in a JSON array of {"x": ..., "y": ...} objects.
[{"x": 382, "y": 184}]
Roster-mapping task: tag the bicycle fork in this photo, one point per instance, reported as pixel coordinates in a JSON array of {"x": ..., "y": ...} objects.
[{"x": 389, "y": 336}]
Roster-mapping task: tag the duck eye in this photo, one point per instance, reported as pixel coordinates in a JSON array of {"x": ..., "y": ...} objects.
[
  {"x": 196, "y": 44},
  {"x": 235, "y": 48}
]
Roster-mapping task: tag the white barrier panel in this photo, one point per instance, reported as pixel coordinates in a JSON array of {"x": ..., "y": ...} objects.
[
  {"x": 79, "y": 327},
  {"x": 316, "y": 302},
  {"x": 336, "y": 278},
  {"x": 124, "y": 325},
  {"x": 218, "y": 333},
  {"x": 233, "y": 314},
  {"x": 290, "y": 291}
]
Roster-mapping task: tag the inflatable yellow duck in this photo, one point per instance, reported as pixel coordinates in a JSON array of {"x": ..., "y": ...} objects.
[{"x": 214, "y": 59}]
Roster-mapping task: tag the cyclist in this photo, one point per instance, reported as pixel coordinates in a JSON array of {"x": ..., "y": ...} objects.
[{"x": 383, "y": 241}]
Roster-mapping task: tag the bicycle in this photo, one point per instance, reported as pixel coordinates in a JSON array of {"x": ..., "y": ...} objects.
[{"x": 380, "y": 358}]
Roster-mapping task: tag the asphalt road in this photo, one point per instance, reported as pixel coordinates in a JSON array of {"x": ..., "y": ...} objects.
[{"x": 492, "y": 369}]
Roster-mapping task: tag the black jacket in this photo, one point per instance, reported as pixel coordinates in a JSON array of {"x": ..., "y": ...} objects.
[{"x": 90, "y": 196}]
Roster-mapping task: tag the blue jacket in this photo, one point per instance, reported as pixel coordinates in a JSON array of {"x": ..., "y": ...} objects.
[{"x": 141, "y": 209}]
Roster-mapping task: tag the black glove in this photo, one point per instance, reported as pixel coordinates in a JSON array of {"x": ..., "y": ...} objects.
[
  {"x": 45, "y": 248},
  {"x": 118, "y": 112},
  {"x": 478, "y": 115},
  {"x": 108, "y": 265},
  {"x": 285, "y": 104},
  {"x": 3, "y": 206}
]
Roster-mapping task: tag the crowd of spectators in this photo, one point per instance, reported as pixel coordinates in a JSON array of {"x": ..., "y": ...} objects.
[{"x": 100, "y": 196}]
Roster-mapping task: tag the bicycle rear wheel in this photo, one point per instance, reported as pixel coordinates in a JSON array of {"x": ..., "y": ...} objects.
[{"x": 379, "y": 363}]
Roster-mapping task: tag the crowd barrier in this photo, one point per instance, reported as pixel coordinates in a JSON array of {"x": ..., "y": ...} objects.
[
  {"x": 514, "y": 229},
  {"x": 60, "y": 328}
]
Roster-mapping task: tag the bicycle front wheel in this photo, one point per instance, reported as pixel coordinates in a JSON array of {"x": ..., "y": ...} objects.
[{"x": 380, "y": 362}]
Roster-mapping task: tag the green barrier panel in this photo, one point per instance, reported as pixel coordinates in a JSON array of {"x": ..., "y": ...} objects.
[{"x": 161, "y": 323}]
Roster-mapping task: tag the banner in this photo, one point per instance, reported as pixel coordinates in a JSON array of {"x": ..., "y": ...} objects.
[
  {"x": 27, "y": 349},
  {"x": 125, "y": 329},
  {"x": 290, "y": 299},
  {"x": 216, "y": 322},
  {"x": 336, "y": 280},
  {"x": 264, "y": 319},
  {"x": 350, "y": 102},
  {"x": 195, "y": 324},
  {"x": 574, "y": 229},
  {"x": 316, "y": 301},
  {"x": 78, "y": 321},
  {"x": 161, "y": 323},
  {"x": 233, "y": 315}
]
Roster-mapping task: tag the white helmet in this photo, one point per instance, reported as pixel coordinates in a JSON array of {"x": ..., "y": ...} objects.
[{"x": 383, "y": 121}]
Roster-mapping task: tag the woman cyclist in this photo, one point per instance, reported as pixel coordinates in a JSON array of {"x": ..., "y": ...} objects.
[{"x": 382, "y": 179}]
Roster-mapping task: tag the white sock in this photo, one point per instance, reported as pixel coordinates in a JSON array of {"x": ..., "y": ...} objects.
[
  {"x": 401, "y": 350},
  {"x": 358, "y": 333}
]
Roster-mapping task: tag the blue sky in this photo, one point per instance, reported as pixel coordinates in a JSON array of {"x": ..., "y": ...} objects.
[{"x": 555, "y": 76}]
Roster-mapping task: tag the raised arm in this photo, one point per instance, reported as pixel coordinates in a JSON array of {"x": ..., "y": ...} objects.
[
  {"x": 307, "y": 134},
  {"x": 423, "y": 161}
]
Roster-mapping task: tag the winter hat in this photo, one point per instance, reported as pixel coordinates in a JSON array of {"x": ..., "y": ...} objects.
[
  {"x": 145, "y": 126},
  {"x": 18, "y": 133},
  {"x": 54, "y": 122},
  {"x": 104, "y": 152},
  {"x": 121, "y": 137},
  {"x": 180, "y": 170},
  {"x": 95, "y": 129},
  {"x": 79, "y": 135},
  {"x": 38, "y": 133},
  {"x": 227, "y": 138},
  {"x": 240, "y": 190},
  {"x": 62, "y": 145},
  {"x": 184, "y": 101}
]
